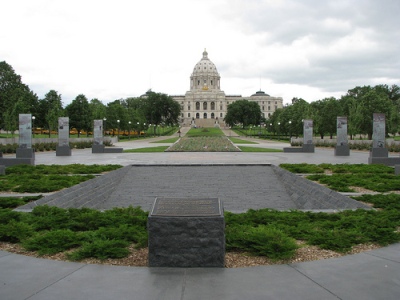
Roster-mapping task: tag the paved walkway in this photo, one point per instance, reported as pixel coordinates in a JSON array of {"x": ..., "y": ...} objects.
[{"x": 369, "y": 275}]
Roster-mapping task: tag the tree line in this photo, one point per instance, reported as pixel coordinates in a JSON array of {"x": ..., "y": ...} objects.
[
  {"x": 135, "y": 113},
  {"x": 358, "y": 105}
]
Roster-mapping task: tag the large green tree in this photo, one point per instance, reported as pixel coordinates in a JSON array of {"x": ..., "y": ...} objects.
[
  {"x": 159, "y": 108},
  {"x": 50, "y": 109},
  {"x": 79, "y": 114},
  {"x": 15, "y": 98},
  {"x": 324, "y": 114},
  {"x": 243, "y": 112},
  {"x": 368, "y": 100}
]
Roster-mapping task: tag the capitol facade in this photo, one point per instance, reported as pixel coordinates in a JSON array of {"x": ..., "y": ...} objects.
[{"x": 206, "y": 105}]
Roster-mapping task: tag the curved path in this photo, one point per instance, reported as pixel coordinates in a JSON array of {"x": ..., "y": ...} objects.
[{"x": 369, "y": 275}]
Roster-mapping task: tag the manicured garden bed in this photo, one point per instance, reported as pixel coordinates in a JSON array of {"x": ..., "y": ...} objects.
[{"x": 82, "y": 233}]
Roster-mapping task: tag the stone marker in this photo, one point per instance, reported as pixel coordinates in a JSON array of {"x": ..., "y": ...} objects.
[
  {"x": 25, "y": 150},
  {"x": 98, "y": 140},
  {"x": 379, "y": 154},
  {"x": 378, "y": 136},
  {"x": 98, "y": 146},
  {"x": 308, "y": 146},
  {"x": 186, "y": 232},
  {"x": 342, "y": 143},
  {"x": 63, "y": 148}
]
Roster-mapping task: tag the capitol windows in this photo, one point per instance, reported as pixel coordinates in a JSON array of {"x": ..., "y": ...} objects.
[
  {"x": 198, "y": 82},
  {"x": 197, "y": 105},
  {"x": 220, "y": 114},
  {"x": 212, "y": 116},
  {"x": 188, "y": 115},
  {"x": 197, "y": 116},
  {"x": 205, "y": 106},
  {"x": 269, "y": 107},
  {"x": 212, "y": 105},
  {"x": 188, "y": 107},
  {"x": 211, "y": 82},
  {"x": 263, "y": 108},
  {"x": 205, "y": 115}
]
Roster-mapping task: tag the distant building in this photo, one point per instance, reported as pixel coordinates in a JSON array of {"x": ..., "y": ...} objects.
[{"x": 205, "y": 104}]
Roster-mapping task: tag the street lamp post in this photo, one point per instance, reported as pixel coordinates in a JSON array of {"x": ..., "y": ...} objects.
[
  {"x": 104, "y": 126},
  {"x": 33, "y": 126},
  {"x": 290, "y": 130},
  {"x": 279, "y": 133},
  {"x": 118, "y": 131},
  {"x": 270, "y": 128},
  {"x": 129, "y": 130}
]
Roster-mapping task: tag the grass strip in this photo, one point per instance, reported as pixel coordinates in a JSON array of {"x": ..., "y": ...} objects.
[
  {"x": 257, "y": 149},
  {"x": 240, "y": 141},
  {"x": 169, "y": 141},
  {"x": 147, "y": 150}
]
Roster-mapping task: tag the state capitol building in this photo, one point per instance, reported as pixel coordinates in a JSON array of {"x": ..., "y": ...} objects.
[{"x": 205, "y": 104}]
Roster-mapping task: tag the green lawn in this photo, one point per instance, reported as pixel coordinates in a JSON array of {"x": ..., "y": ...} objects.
[
  {"x": 209, "y": 131},
  {"x": 170, "y": 140},
  {"x": 240, "y": 141},
  {"x": 147, "y": 150},
  {"x": 257, "y": 149}
]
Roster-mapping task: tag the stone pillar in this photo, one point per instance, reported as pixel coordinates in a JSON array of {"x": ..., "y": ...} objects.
[
  {"x": 342, "y": 143},
  {"x": 186, "y": 232},
  {"x": 308, "y": 134},
  {"x": 25, "y": 150},
  {"x": 98, "y": 139},
  {"x": 63, "y": 148},
  {"x": 378, "y": 137}
]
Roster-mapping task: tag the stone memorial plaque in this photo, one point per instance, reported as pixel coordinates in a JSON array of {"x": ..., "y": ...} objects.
[
  {"x": 378, "y": 135},
  {"x": 25, "y": 130},
  {"x": 308, "y": 132},
  {"x": 186, "y": 232},
  {"x": 184, "y": 207},
  {"x": 98, "y": 132},
  {"x": 63, "y": 132},
  {"x": 341, "y": 123}
]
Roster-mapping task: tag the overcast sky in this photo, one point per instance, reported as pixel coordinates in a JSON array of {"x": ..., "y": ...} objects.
[{"x": 116, "y": 49}]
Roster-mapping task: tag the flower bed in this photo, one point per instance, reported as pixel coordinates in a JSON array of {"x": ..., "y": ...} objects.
[{"x": 203, "y": 144}]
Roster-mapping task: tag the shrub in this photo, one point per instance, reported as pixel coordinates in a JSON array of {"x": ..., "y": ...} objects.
[
  {"x": 52, "y": 242},
  {"x": 261, "y": 240},
  {"x": 135, "y": 234},
  {"x": 15, "y": 231},
  {"x": 13, "y": 202},
  {"x": 101, "y": 249}
]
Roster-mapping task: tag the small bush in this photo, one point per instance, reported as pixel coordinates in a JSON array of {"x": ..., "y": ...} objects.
[
  {"x": 135, "y": 234},
  {"x": 52, "y": 242},
  {"x": 261, "y": 240},
  {"x": 13, "y": 202},
  {"x": 101, "y": 249},
  {"x": 15, "y": 232}
]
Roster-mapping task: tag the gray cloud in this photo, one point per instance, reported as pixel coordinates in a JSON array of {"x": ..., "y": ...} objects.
[{"x": 338, "y": 43}]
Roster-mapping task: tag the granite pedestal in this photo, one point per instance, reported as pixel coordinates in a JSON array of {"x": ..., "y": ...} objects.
[
  {"x": 342, "y": 150},
  {"x": 186, "y": 233},
  {"x": 63, "y": 151},
  {"x": 103, "y": 149}
]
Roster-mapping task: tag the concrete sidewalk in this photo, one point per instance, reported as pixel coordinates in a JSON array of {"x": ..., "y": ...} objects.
[{"x": 369, "y": 275}]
